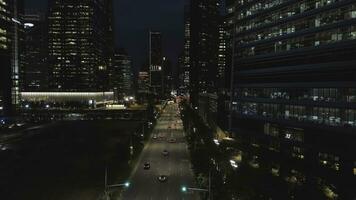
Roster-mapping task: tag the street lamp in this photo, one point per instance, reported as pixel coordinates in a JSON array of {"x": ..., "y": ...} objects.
[
  {"x": 107, "y": 187},
  {"x": 208, "y": 190}
]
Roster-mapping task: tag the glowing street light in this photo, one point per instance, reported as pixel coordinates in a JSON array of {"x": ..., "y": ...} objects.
[{"x": 127, "y": 184}]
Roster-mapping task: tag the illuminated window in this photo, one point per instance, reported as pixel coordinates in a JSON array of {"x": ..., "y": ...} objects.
[{"x": 329, "y": 160}]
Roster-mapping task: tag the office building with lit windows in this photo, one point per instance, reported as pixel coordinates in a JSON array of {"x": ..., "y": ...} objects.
[
  {"x": 185, "y": 67},
  {"x": 121, "y": 75},
  {"x": 294, "y": 96},
  {"x": 203, "y": 47},
  {"x": 10, "y": 41},
  {"x": 156, "y": 62},
  {"x": 34, "y": 73},
  {"x": 79, "y": 45}
]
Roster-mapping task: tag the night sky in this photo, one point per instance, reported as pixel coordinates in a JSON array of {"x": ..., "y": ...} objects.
[{"x": 133, "y": 19}]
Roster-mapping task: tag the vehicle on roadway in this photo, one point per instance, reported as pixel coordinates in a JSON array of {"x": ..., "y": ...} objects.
[
  {"x": 172, "y": 140},
  {"x": 162, "y": 178},
  {"x": 165, "y": 152},
  {"x": 147, "y": 165}
]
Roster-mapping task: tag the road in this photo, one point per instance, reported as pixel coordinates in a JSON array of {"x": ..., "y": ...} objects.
[{"x": 176, "y": 166}]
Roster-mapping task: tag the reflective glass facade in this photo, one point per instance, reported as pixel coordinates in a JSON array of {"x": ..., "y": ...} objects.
[
  {"x": 294, "y": 107},
  {"x": 79, "y": 44}
]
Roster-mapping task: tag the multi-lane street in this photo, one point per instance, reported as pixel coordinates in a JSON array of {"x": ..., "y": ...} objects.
[{"x": 168, "y": 135}]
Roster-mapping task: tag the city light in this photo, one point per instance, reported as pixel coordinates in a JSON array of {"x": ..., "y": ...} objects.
[
  {"x": 127, "y": 184},
  {"x": 234, "y": 164},
  {"x": 216, "y": 141},
  {"x": 184, "y": 189},
  {"x": 29, "y": 25}
]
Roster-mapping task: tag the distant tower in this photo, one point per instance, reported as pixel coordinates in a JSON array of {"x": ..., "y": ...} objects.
[
  {"x": 121, "y": 75},
  {"x": 156, "y": 62}
]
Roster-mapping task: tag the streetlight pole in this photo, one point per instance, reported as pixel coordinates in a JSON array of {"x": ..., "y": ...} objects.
[
  {"x": 107, "y": 187},
  {"x": 208, "y": 190},
  {"x": 210, "y": 196}
]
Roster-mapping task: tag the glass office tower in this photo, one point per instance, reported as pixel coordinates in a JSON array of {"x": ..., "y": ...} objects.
[
  {"x": 79, "y": 44},
  {"x": 294, "y": 107}
]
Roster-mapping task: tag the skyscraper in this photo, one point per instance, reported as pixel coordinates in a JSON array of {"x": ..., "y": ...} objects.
[
  {"x": 156, "y": 62},
  {"x": 121, "y": 75},
  {"x": 34, "y": 73},
  {"x": 294, "y": 111},
  {"x": 10, "y": 35},
  {"x": 203, "y": 47},
  {"x": 185, "y": 70},
  {"x": 79, "y": 44},
  {"x": 5, "y": 57}
]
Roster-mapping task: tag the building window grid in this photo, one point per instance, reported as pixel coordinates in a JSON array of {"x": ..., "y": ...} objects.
[
  {"x": 319, "y": 20},
  {"x": 319, "y": 115},
  {"x": 284, "y": 12},
  {"x": 312, "y": 40},
  {"x": 346, "y": 95}
]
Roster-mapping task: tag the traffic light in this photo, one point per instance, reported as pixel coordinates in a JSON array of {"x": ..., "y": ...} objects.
[{"x": 184, "y": 189}]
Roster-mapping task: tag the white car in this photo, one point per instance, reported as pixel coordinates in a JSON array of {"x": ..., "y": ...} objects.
[{"x": 162, "y": 178}]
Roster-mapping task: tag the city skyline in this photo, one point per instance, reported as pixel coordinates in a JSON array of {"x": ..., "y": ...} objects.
[
  {"x": 213, "y": 99},
  {"x": 132, "y": 23}
]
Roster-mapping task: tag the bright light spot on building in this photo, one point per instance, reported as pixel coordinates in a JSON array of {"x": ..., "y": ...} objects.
[
  {"x": 184, "y": 189},
  {"x": 234, "y": 164},
  {"x": 216, "y": 141},
  {"x": 27, "y": 106},
  {"x": 16, "y": 21},
  {"x": 29, "y": 25}
]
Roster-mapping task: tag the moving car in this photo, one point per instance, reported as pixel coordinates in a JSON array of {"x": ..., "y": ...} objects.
[
  {"x": 147, "y": 165},
  {"x": 165, "y": 152},
  {"x": 172, "y": 140},
  {"x": 162, "y": 178}
]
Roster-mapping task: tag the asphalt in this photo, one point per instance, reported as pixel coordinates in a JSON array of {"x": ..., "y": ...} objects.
[{"x": 144, "y": 184}]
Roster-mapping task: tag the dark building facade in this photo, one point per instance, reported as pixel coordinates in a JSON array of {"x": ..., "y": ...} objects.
[
  {"x": 143, "y": 86},
  {"x": 34, "y": 73},
  {"x": 185, "y": 67},
  {"x": 5, "y": 57},
  {"x": 203, "y": 47},
  {"x": 294, "y": 107},
  {"x": 121, "y": 75},
  {"x": 10, "y": 40},
  {"x": 156, "y": 62},
  {"x": 79, "y": 44}
]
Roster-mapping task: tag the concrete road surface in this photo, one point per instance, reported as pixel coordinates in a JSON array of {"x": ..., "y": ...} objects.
[{"x": 176, "y": 166}]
